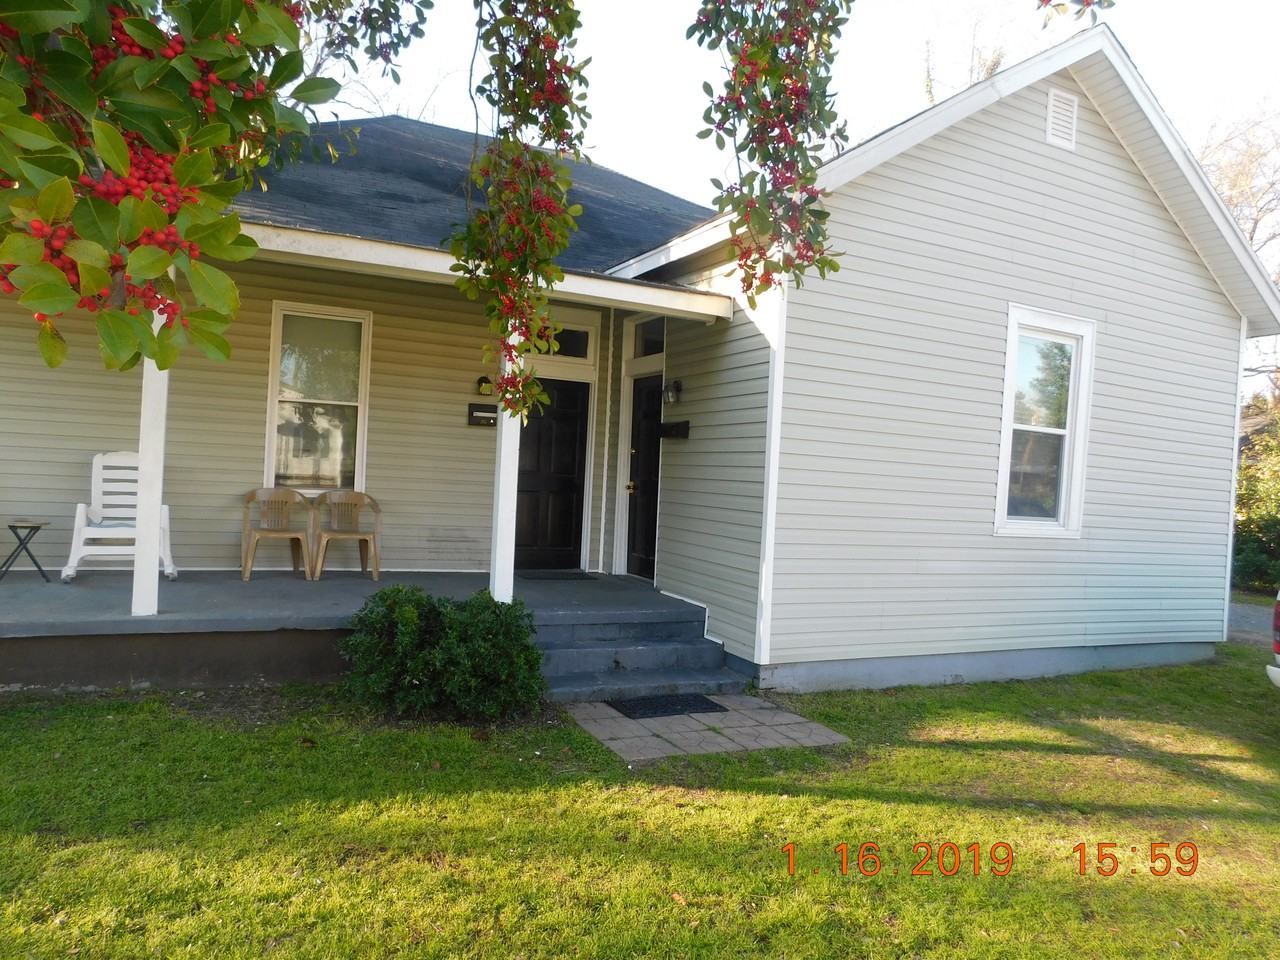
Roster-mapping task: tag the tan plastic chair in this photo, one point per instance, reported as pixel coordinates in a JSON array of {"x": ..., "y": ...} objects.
[
  {"x": 275, "y": 504},
  {"x": 344, "y": 524}
]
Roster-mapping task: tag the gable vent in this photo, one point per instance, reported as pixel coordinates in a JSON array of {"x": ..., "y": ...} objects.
[{"x": 1060, "y": 123}]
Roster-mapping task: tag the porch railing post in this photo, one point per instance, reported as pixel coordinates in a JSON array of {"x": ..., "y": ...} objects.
[
  {"x": 151, "y": 443},
  {"x": 506, "y": 475}
]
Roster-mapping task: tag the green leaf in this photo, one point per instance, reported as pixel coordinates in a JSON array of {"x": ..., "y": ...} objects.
[
  {"x": 27, "y": 132},
  {"x": 212, "y": 287},
  {"x": 147, "y": 262},
  {"x": 117, "y": 335},
  {"x": 67, "y": 75},
  {"x": 26, "y": 277},
  {"x": 50, "y": 297},
  {"x": 241, "y": 248},
  {"x": 291, "y": 120},
  {"x": 141, "y": 329},
  {"x": 21, "y": 248},
  {"x": 214, "y": 135},
  {"x": 316, "y": 90},
  {"x": 97, "y": 220},
  {"x": 146, "y": 33},
  {"x": 214, "y": 16},
  {"x": 194, "y": 168},
  {"x": 93, "y": 280},
  {"x": 214, "y": 345},
  {"x": 165, "y": 354},
  {"x": 39, "y": 16},
  {"x": 53, "y": 346},
  {"x": 287, "y": 69},
  {"x": 151, "y": 99},
  {"x": 86, "y": 252},
  {"x": 137, "y": 215},
  {"x": 45, "y": 167},
  {"x": 286, "y": 34},
  {"x": 111, "y": 147},
  {"x": 55, "y": 201}
]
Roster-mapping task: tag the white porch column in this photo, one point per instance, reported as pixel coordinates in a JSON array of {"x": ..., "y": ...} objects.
[
  {"x": 151, "y": 442},
  {"x": 506, "y": 476}
]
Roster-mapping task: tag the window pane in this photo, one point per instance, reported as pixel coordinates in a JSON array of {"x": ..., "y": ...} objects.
[
  {"x": 1044, "y": 382},
  {"x": 319, "y": 359},
  {"x": 651, "y": 337},
  {"x": 573, "y": 343},
  {"x": 315, "y": 445},
  {"x": 1035, "y": 470}
]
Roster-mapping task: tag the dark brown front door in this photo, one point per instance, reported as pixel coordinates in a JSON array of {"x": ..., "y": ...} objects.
[
  {"x": 553, "y": 470},
  {"x": 642, "y": 511}
]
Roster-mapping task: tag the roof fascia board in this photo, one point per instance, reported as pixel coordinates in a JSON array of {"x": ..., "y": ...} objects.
[
  {"x": 1195, "y": 175},
  {"x": 381, "y": 258},
  {"x": 702, "y": 237}
]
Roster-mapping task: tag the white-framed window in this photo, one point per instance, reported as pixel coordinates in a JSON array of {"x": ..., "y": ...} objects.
[
  {"x": 318, "y": 399},
  {"x": 1048, "y": 378}
]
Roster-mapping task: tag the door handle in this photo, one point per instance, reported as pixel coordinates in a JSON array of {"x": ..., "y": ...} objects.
[{"x": 631, "y": 487}]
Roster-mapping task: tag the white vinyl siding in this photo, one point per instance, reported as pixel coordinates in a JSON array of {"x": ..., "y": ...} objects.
[
  {"x": 712, "y": 484},
  {"x": 893, "y": 395},
  {"x": 431, "y": 473}
]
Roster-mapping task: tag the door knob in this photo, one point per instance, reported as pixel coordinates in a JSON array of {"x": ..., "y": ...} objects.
[{"x": 631, "y": 487}]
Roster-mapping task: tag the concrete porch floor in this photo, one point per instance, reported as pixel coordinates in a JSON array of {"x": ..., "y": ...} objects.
[{"x": 97, "y": 601}]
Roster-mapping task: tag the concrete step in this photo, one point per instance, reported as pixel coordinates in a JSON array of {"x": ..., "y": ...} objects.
[
  {"x": 623, "y": 684},
  {"x": 602, "y": 656},
  {"x": 616, "y": 628}
]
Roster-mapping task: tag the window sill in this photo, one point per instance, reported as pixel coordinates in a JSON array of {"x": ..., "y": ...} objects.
[{"x": 1047, "y": 531}]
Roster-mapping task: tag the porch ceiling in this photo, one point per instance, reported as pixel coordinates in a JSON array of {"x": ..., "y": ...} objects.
[{"x": 381, "y": 258}]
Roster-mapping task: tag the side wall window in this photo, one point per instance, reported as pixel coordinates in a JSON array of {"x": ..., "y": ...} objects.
[
  {"x": 1048, "y": 378},
  {"x": 317, "y": 407}
]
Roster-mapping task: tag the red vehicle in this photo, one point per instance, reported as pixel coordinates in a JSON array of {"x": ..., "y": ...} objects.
[{"x": 1274, "y": 672}]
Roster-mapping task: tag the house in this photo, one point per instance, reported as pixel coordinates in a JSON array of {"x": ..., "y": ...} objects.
[{"x": 999, "y": 442}]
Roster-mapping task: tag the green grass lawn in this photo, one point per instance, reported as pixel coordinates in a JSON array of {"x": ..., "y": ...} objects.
[
  {"x": 290, "y": 825},
  {"x": 1253, "y": 596}
]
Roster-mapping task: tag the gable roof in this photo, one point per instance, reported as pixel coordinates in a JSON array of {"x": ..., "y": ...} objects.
[
  {"x": 1107, "y": 75},
  {"x": 405, "y": 184}
]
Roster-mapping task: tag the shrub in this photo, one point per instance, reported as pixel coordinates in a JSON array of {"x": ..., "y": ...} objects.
[
  {"x": 1257, "y": 543},
  {"x": 417, "y": 655}
]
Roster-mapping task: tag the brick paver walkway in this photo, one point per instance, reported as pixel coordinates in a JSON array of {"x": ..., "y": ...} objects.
[{"x": 749, "y": 724}]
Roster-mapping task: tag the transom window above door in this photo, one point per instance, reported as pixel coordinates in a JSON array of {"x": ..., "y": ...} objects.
[
  {"x": 316, "y": 421},
  {"x": 1048, "y": 379}
]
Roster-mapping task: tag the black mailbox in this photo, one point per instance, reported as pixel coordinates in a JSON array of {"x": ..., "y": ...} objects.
[{"x": 482, "y": 415}]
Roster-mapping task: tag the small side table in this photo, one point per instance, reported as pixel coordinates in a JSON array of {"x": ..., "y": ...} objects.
[{"x": 24, "y": 531}]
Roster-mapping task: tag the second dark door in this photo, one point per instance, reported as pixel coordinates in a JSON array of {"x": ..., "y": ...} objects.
[
  {"x": 553, "y": 470},
  {"x": 642, "y": 504}
]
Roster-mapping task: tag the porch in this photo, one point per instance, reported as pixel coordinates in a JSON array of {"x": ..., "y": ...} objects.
[
  {"x": 601, "y": 636},
  {"x": 97, "y": 603}
]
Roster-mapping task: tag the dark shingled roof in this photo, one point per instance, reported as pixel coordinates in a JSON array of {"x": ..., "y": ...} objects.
[{"x": 405, "y": 184}]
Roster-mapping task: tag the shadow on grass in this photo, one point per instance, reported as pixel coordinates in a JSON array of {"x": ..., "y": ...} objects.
[{"x": 82, "y": 769}]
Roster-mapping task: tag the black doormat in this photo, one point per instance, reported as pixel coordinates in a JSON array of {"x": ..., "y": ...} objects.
[
  {"x": 554, "y": 575},
  {"x": 643, "y": 708}
]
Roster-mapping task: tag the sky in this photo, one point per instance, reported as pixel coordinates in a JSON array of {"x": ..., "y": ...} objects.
[
  {"x": 1206, "y": 68},
  {"x": 1209, "y": 62}
]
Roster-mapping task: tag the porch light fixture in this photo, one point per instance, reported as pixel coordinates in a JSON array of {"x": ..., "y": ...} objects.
[
  {"x": 671, "y": 392},
  {"x": 484, "y": 387}
]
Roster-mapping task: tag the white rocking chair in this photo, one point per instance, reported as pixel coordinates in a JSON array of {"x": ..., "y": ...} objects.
[{"x": 112, "y": 516}]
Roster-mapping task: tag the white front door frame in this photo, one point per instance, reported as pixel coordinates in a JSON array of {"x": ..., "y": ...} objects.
[
  {"x": 633, "y": 368},
  {"x": 579, "y": 370}
]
